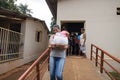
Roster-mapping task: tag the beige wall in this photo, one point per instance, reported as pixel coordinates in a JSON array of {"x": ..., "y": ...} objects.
[
  {"x": 101, "y": 22},
  {"x": 31, "y": 48}
]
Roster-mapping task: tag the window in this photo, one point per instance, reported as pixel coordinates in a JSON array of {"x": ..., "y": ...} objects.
[
  {"x": 38, "y": 36},
  {"x": 10, "y": 48},
  {"x": 118, "y": 11}
]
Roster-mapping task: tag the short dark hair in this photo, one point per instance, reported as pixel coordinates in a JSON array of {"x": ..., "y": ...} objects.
[
  {"x": 64, "y": 28},
  {"x": 57, "y": 26},
  {"x": 83, "y": 29}
]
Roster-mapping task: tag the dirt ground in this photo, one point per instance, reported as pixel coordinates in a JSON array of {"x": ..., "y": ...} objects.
[{"x": 15, "y": 73}]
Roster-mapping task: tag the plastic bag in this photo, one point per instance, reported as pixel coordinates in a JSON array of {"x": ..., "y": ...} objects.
[
  {"x": 58, "y": 40},
  {"x": 83, "y": 49}
]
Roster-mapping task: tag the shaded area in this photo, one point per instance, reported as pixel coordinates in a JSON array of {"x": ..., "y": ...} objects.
[
  {"x": 73, "y": 27},
  {"x": 15, "y": 73}
]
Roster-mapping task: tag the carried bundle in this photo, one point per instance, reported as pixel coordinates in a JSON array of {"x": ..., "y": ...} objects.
[{"x": 60, "y": 38}]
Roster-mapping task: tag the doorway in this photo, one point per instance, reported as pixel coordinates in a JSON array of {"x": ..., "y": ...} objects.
[{"x": 74, "y": 28}]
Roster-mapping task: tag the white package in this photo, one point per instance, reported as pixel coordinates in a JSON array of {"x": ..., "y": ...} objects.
[{"x": 60, "y": 39}]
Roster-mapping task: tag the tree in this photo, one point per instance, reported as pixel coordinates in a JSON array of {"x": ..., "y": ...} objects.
[
  {"x": 10, "y": 4},
  {"x": 53, "y": 22},
  {"x": 24, "y": 9}
]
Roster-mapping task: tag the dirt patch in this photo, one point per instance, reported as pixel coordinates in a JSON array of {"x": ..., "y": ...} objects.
[{"x": 15, "y": 73}]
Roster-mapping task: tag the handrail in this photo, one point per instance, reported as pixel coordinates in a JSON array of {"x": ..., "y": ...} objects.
[
  {"x": 107, "y": 54},
  {"x": 95, "y": 49},
  {"x": 37, "y": 65}
]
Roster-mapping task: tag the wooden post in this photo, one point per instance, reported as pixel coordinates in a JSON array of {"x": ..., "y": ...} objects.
[
  {"x": 38, "y": 72},
  {"x": 96, "y": 61},
  {"x": 48, "y": 60},
  {"x": 91, "y": 52},
  {"x": 101, "y": 65}
]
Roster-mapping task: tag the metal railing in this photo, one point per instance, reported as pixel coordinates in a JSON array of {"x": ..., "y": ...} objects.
[
  {"x": 99, "y": 57},
  {"x": 38, "y": 68},
  {"x": 10, "y": 45}
]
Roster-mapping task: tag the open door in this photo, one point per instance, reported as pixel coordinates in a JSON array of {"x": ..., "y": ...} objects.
[{"x": 73, "y": 26}]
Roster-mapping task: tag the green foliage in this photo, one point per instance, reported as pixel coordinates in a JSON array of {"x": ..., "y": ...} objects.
[
  {"x": 10, "y": 4},
  {"x": 24, "y": 9},
  {"x": 53, "y": 22},
  {"x": 115, "y": 75}
]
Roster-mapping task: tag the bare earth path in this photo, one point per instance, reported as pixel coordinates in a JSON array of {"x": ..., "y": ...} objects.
[{"x": 15, "y": 73}]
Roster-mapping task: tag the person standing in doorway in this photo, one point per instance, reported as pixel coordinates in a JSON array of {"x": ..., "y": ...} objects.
[
  {"x": 82, "y": 42},
  {"x": 57, "y": 57},
  {"x": 66, "y": 33},
  {"x": 76, "y": 45}
]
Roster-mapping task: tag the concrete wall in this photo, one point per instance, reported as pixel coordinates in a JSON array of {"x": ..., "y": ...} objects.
[
  {"x": 101, "y": 22},
  {"x": 31, "y": 48}
]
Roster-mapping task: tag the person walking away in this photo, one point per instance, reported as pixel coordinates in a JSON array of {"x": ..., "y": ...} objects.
[
  {"x": 66, "y": 34},
  {"x": 76, "y": 45}
]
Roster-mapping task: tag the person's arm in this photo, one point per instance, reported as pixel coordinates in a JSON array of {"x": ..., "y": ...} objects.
[
  {"x": 51, "y": 45},
  {"x": 67, "y": 34},
  {"x": 64, "y": 47}
]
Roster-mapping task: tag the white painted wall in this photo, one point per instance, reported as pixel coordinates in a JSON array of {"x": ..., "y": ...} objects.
[
  {"x": 101, "y": 22},
  {"x": 31, "y": 48}
]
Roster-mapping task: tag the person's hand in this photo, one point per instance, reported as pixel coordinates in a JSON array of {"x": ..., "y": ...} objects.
[
  {"x": 66, "y": 47},
  {"x": 63, "y": 46},
  {"x": 51, "y": 46},
  {"x": 58, "y": 46}
]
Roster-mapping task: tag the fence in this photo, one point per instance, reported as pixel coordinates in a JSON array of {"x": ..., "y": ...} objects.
[
  {"x": 99, "y": 55},
  {"x": 11, "y": 46},
  {"x": 38, "y": 68}
]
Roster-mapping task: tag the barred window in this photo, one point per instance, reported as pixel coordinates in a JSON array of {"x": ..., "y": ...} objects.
[{"x": 10, "y": 45}]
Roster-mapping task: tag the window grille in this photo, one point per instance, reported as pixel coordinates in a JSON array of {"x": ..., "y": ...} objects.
[{"x": 11, "y": 45}]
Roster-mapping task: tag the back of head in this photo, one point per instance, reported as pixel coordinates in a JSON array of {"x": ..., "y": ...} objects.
[
  {"x": 82, "y": 29},
  {"x": 64, "y": 28}
]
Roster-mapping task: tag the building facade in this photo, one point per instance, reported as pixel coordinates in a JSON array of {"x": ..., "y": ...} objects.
[
  {"x": 22, "y": 39},
  {"x": 100, "y": 19}
]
